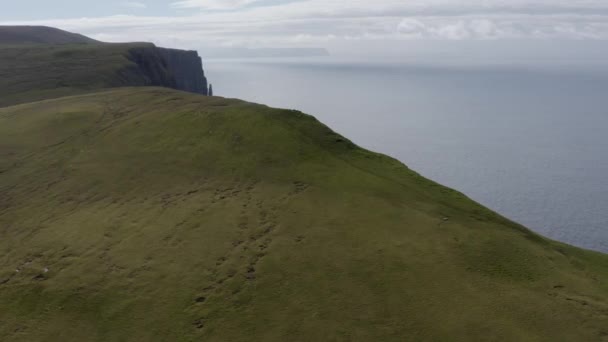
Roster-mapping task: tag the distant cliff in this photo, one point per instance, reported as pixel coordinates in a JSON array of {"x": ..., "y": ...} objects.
[
  {"x": 171, "y": 68},
  {"x": 43, "y": 71},
  {"x": 187, "y": 69},
  {"x": 38, "y": 63}
]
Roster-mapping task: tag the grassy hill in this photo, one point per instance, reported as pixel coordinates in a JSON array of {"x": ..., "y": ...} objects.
[
  {"x": 147, "y": 214},
  {"x": 42, "y": 71},
  {"x": 38, "y": 63},
  {"x": 18, "y": 35}
]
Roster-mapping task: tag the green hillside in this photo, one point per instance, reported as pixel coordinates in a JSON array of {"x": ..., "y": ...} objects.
[
  {"x": 147, "y": 214},
  {"x": 18, "y": 35},
  {"x": 41, "y": 71}
]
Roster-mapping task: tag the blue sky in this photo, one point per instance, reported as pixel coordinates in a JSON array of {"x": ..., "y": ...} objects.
[{"x": 271, "y": 23}]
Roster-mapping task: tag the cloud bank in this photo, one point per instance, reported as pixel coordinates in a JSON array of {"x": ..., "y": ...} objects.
[
  {"x": 133, "y": 4},
  {"x": 264, "y": 23},
  {"x": 213, "y": 4}
]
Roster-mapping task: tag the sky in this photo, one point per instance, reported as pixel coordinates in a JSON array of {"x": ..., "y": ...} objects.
[{"x": 317, "y": 23}]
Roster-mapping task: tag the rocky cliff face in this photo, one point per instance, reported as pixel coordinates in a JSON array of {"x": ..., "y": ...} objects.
[
  {"x": 171, "y": 68},
  {"x": 187, "y": 69},
  {"x": 38, "y": 63},
  {"x": 42, "y": 71}
]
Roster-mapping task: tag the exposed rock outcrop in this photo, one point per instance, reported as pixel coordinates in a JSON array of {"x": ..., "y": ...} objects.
[
  {"x": 187, "y": 70},
  {"x": 171, "y": 68},
  {"x": 38, "y": 63}
]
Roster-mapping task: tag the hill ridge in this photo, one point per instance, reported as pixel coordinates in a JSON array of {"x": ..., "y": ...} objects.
[
  {"x": 21, "y": 35},
  {"x": 152, "y": 214},
  {"x": 40, "y": 71}
]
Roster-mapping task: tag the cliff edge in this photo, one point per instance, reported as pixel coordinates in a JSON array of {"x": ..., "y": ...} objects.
[
  {"x": 31, "y": 71},
  {"x": 187, "y": 69},
  {"x": 170, "y": 68}
]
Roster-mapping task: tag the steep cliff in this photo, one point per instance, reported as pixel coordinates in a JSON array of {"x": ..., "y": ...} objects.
[
  {"x": 146, "y": 67},
  {"x": 43, "y": 71},
  {"x": 186, "y": 67},
  {"x": 170, "y": 68}
]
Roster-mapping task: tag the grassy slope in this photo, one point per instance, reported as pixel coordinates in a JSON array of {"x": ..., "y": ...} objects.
[
  {"x": 167, "y": 216},
  {"x": 40, "y": 35},
  {"x": 39, "y": 71}
]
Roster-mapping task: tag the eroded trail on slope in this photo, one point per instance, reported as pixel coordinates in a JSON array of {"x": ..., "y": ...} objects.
[{"x": 258, "y": 221}]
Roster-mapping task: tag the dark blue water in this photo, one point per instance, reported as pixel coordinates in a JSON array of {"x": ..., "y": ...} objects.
[{"x": 528, "y": 141}]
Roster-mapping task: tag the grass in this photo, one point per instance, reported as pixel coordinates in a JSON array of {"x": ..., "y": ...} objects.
[
  {"x": 31, "y": 72},
  {"x": 40, "y": 35},
  {"x": 146, "y": 214}
]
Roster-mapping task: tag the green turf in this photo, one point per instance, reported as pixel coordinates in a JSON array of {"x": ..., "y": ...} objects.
[
  {"x": 18, "y": 35},
  {"x": 34, "y": 72},
  {"x": 166, "y": 216}
]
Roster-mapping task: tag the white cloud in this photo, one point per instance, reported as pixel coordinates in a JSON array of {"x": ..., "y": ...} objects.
[
  {"x": 317, "y": 22},
  {"x": 335, "y": 8},
  {"x": 457, "y": 29},
  {"x": 213, "y": 4},
  {"x": 133, "y": 4}
]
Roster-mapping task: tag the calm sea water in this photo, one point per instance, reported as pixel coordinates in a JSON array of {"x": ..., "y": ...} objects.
[{"x": 530, "y": 142}]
